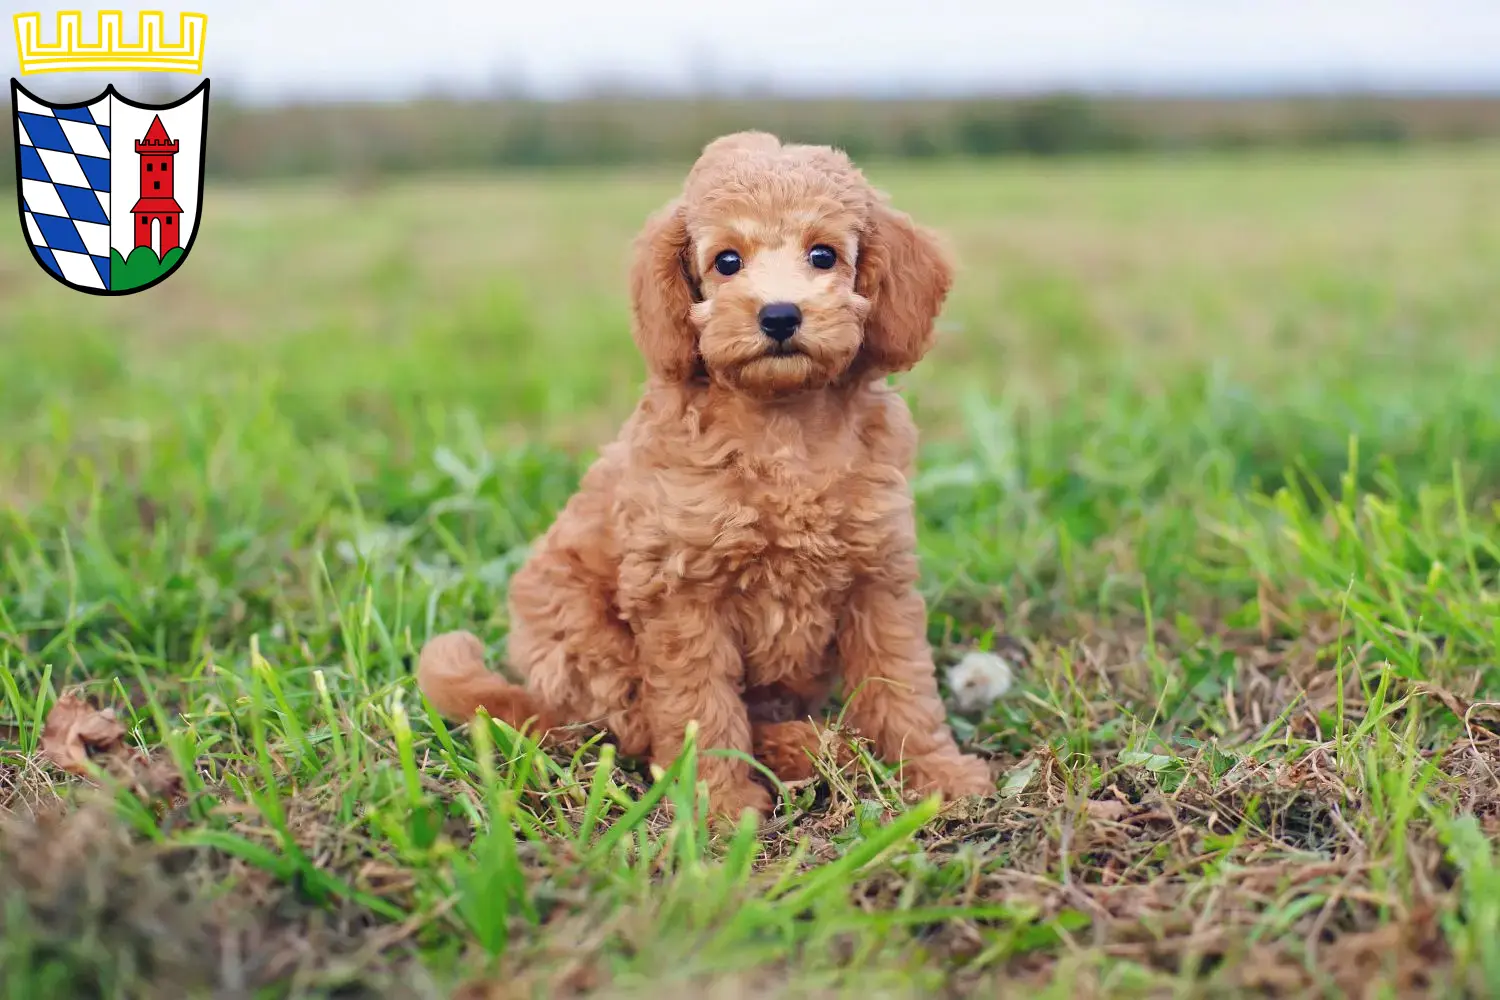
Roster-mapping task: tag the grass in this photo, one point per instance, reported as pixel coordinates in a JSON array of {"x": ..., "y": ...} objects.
[{"x": 1212, "y": 440}]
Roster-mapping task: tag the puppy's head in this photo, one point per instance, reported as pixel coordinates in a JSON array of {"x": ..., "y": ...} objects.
[{"x": 779, "y": 269}]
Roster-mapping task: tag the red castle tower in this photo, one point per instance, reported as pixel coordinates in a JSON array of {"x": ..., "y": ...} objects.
[{"x": 157, "y": 204}]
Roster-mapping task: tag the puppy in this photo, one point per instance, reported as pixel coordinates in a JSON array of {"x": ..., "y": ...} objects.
[{"x": 748, "y": 540}]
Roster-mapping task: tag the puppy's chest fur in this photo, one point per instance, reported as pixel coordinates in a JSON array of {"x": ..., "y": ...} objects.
[
  {"x": 774, "y": 537},
  {"x": 789, "y": 555}
]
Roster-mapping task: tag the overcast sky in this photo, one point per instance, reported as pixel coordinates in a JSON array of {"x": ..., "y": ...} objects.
[{"x": 276, "y": 49}]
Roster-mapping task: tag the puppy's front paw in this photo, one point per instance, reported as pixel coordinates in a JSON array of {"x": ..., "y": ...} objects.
[
  {"x": 730, "y": 800},
  {"x": 953, "y": 774}
]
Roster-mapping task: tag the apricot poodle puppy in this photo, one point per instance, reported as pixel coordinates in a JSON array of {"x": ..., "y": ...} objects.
[{"x": 748, "y": 540}]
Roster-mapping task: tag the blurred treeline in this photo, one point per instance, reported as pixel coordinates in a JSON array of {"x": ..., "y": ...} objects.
[
  {"x": 373, "y": 139},
  {"x": 604, "y": 132}
]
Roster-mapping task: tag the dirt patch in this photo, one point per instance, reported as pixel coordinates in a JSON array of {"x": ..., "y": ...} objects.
[{"x": 87, "y": 908}]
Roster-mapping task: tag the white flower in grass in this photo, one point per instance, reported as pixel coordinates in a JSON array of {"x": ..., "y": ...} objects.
[{"x": 979, "y": 680}]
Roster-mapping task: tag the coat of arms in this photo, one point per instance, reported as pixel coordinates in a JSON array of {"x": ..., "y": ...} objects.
[{"x": 110, "y": 190}]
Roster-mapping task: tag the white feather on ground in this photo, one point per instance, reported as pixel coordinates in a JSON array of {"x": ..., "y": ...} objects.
[{"x": 979, "y": 680}]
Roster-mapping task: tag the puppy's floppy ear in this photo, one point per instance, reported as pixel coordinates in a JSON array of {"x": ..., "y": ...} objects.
[
  {"x": 662, "y": 290},
  {"x": 905, "y": 273}
]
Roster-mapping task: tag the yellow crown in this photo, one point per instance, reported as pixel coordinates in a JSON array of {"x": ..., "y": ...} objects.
[{"x": 150, "y": 53}]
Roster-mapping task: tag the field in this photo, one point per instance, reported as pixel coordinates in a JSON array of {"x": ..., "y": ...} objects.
[{"x": 1213, "y": 440}]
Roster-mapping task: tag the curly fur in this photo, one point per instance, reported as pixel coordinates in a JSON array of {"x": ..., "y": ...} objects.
[{"x": 748, "y": 540}]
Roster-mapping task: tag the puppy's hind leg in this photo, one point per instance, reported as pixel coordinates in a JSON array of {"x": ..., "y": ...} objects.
[
  {"x": 452, "y": 674},
  {"x": 567, "y": 640}
]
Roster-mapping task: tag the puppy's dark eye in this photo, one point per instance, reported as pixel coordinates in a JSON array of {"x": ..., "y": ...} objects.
[
  {"x": 822, "y": 257},
  {"x": 727, "y": 262}
]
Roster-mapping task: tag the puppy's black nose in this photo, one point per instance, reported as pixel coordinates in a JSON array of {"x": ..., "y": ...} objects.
[{"x": 779, "y": 320}]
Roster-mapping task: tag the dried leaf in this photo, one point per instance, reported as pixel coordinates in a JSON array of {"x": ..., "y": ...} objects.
[
  {"x": 1454, "y": 703},
  {"x": 1017, "y": 780},
  {"x": 76, "y": 732},
  {"x": 1107, "y": 809}
]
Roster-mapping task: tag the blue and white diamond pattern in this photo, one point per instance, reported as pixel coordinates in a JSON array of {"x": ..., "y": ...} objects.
[{"x": 65, "y": 188}]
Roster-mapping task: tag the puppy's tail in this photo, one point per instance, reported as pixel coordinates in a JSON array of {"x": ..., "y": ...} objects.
[{"x": 452, "y": 674}]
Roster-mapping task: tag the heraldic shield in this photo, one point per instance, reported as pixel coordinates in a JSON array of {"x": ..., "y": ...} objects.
[{"x": 111, "y": 191}]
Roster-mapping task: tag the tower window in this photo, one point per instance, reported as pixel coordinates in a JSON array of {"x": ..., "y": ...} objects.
[
  {"x": 156, "y": 185},
  {"x": 143, "y": 220},
  {"x": 164, "y": 164},
  {"x": 170, "y": 220},
  {"x": 148, "y": 168}
]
